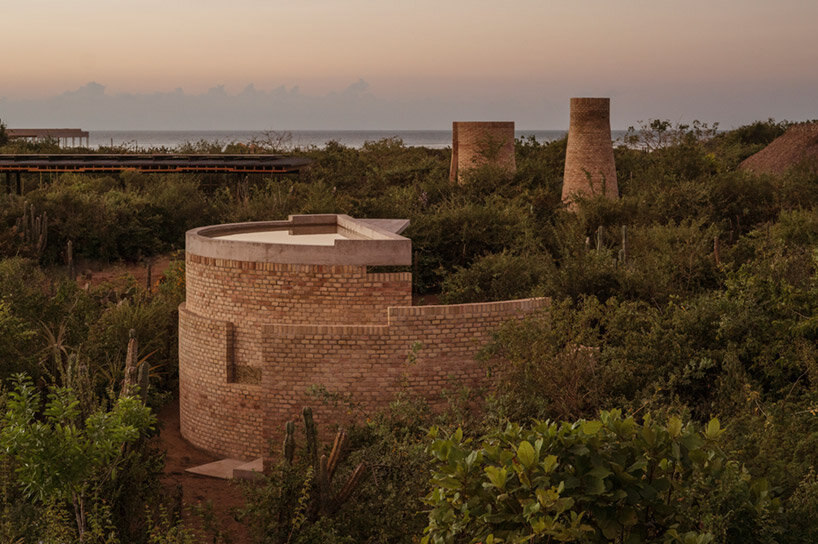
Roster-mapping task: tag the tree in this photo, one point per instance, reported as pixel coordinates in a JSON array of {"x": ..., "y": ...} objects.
[{"x": 61, "y": 458}]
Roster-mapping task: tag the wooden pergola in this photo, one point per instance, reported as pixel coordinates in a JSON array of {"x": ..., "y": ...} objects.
[{"x": 62, "y": 135}]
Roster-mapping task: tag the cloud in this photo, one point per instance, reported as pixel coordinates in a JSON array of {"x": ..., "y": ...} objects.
[
  {"x": 354, "y": 107},
  {"x": 358, "y": 107}
]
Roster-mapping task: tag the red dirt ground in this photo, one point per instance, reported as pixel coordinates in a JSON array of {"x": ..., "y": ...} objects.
[
  {"x": 225, "y": 495},
  {"x": 96, "y": 273},
  {"x": 198, "y": 490}
]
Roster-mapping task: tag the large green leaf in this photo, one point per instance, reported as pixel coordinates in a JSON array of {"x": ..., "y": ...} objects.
[{"x": 526, "y": 454}]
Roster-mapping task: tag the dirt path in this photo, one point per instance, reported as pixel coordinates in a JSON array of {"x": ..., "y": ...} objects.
[{"x": 224, "y": 495}]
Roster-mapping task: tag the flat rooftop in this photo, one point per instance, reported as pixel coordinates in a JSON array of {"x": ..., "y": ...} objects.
[
  {"x": 177, "y": 163},
  {"x": 332, "y": 239}
]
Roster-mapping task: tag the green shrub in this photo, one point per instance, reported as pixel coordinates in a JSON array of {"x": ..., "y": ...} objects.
[
  {"x": 497, "y": 276},
  {"x": 65, "y": 458},
  {"x": 456, "y": 234},
  {"x": 606, "y": 480},
  {"x": 17, "y": 341}
]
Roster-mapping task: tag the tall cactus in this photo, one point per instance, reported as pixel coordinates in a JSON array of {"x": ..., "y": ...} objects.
[
  {"x": 312, "y": 436},
  {"x": 289, "y": 442},
  {"x": 33, "y": 228},
  {"x": 623, "y": 253},
  {"x": 148, "y": 274},
  {"x": 69, "y": 258},
  {"x": 323, "y": 502},
  {"x": 144, "y": 381},
  {"x": 131, "y": 369}
]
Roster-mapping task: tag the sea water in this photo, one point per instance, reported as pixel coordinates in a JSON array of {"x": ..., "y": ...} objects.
[{"x": 137, "y": 140}]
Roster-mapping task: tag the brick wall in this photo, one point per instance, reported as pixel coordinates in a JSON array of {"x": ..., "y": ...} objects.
[
  {"x": 215, "y": 415},
  {"x": 248, "y": 294},
  {"x": 285, "y": 328},
  {"x": 589, "y": 159},
  {"x": 476, "y": 143}
]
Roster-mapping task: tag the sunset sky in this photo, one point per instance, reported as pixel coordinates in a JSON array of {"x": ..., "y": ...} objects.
[{"x": 731, "y": 61}]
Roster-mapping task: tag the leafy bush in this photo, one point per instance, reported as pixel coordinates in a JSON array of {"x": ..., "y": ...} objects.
[
  {"x": 456, "y": 234},
  {"x": 65, "y": 458},
  {"x": 497, "y": 276},
  {"x": 606, "y": 480}
]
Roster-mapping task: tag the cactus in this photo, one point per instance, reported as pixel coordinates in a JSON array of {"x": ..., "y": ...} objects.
[
  {"x": 131, "y": 369},
  {"x": 69, "y": 257},
  {"x": 33, "y": 228},
  {"x": 599, "y": 233},
  {"x": 323, "y": 502},
  {"x": 324, "y": 490},
  {"x": 312, "y": 435},
  {"x": 349, "y": 488},
  {"x": 623, "y": 253},
  {"x": 144, "y": 381},
  {"x": 289, "y": 442}
]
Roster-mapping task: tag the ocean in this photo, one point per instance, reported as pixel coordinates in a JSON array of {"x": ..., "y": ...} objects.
[{"x": 140, "y": 140}]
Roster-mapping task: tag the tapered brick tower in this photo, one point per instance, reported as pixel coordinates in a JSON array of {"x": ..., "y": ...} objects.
[
  {"x": 589, "y": 159},
  {"x": 477, "y": 143}
]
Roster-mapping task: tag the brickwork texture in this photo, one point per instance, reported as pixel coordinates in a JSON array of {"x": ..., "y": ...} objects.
[
  {"x": 589, "y": 159},
  {"x": 477, "y": 143},
  {"x": 254, "y": 337}
]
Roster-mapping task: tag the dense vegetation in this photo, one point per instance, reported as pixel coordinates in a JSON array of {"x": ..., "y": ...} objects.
[{"x": 668, "y": 395}]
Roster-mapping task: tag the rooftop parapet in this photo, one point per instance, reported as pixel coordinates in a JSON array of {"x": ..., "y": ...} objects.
[{"x": 325, "y": 239}]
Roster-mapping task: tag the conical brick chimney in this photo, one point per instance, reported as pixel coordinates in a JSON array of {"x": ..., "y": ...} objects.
[
  {"x": 477, "y": 143},
  {"x": 589, "y": 159}
]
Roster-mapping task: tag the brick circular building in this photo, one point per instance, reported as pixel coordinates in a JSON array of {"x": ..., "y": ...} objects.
[
  {"x": 589, "y": 158},
  {"x": 478, "y": 143},
  {"x": 275, "y": 307}
]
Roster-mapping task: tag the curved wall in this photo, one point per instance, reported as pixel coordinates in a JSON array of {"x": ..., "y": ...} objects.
[
  {"x": 589, "y": 159},
  {"x": 368, "y": 363},
  {"x": 254, "y": 335},
  {"x": 477, "y": 143}
]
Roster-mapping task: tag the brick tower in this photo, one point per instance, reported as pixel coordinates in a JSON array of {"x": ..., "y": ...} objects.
[
  {"x": 589, "y": 159},
  {"x": 477, "y": 143}
]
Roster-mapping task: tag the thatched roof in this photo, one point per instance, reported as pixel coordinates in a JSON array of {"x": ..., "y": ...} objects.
[{"x": 798, "y": 144}]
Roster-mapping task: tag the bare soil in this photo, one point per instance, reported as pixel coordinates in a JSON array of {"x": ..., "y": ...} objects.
[
  {"x": 224, "y": 495},
  {"x": 94, "y": 273}
]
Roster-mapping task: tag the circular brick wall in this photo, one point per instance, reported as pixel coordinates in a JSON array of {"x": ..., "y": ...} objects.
[
  {"x": 477, "y": 143},
  {"x": 255, "y": 334},
  {"x": 589, "y": 159}
]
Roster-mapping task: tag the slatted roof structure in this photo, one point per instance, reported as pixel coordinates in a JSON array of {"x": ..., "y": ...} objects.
[
  {"x": 62, "y": 135},
  {"x": 170, "y": 163}
]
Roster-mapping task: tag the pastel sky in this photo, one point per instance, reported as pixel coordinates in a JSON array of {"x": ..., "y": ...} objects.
[{"x": 409, "y": 63}]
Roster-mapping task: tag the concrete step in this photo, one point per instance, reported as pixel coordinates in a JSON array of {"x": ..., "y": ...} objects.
[
  {"x": 218, "y": 469},
  {"x": 254, "y": 470}
]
